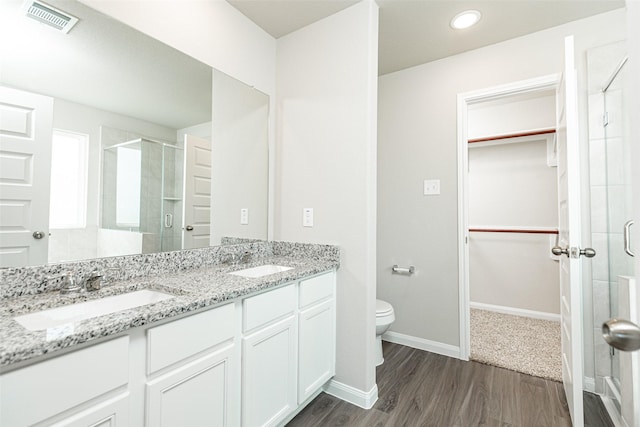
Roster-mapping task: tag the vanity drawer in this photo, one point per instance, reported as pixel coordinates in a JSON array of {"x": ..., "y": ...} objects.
[
  {"x": 177, "y": 340},
  {"x": 269, "y": 306},
  {"x": 39, "y": 391},
  {"x": 316, "y": 289}
]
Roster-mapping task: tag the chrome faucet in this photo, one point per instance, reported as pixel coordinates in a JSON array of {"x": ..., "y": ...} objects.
[
  {"x": 93, "y": 282},
  {"x": 69, "y": 284},
  {"x": 233, "y": 259}
]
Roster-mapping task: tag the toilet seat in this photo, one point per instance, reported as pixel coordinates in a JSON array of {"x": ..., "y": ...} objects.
[{"x": 383, "y": 308}]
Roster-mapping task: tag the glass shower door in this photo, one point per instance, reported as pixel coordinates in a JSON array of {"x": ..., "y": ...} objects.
[{"x": 618, "y": 193}]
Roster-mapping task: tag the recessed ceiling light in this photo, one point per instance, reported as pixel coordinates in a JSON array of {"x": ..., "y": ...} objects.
[{"x": 465, "y": 19}]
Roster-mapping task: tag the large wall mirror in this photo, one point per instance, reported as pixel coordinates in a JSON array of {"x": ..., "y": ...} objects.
[{"x": 143, "y": 148}]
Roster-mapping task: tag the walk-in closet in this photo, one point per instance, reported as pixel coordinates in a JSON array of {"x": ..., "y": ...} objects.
[{"x": 514, "y": 286}]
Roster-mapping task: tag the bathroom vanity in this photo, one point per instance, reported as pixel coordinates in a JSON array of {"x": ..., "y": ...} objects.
[{"x": 225, "y": 349}]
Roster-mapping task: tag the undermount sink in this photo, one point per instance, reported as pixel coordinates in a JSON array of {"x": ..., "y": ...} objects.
[
  {"x": 262, "y": 270},
  {"x": 54, "y": 317}
]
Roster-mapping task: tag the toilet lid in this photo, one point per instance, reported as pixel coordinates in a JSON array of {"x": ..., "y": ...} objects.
[{"x": 383, "y": 308}]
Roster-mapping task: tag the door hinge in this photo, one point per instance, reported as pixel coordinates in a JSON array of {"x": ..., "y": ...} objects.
[{"x": 605, "y": 119}]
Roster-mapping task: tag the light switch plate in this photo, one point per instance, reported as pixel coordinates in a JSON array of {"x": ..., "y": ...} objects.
[
  {"x": 431, "y": 187},
  {"x": 244, "y": 216},
  {"x": 307, "y": 217}
]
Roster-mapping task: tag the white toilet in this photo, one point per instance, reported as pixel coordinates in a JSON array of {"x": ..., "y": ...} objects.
[{"x": 384, "y": 319}]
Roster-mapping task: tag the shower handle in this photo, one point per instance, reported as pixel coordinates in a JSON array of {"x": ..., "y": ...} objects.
[{"x": 627, "y": 238}]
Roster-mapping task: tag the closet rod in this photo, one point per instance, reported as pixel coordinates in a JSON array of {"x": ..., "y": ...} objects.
[
  {"x": 512, "y": 230},
  {"x": 512, "y": 135}
]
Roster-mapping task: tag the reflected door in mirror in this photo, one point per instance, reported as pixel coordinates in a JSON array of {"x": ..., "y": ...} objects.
[{"x": 25, "y": 151}]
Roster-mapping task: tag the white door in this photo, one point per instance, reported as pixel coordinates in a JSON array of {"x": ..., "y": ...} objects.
[
  {"x": 26, "y": 122},
  {"x": 197, "y": 193},
  {"x": 569, "y": 237}
]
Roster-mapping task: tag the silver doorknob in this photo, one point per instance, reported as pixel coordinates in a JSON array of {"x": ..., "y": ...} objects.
[
  {"x": 588, "y": 252},
  {"x": 38, "y": 234},
  {"x": 621, "y": 334},
  {"x": 575, "y": 253},
  {"x": 189, "y": 228}
]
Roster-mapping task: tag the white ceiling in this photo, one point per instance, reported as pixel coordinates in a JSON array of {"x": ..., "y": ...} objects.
[{"x": 414, "y": 32}]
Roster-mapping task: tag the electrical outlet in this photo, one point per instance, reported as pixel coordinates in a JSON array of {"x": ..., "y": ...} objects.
[
  {"x": 307, "y": 217},
  {"x": 431, "y": 187},
  {"x": 244, "y": 216}
]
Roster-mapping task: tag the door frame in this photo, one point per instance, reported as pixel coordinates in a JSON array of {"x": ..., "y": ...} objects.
[{"x": 538, "y": 84}]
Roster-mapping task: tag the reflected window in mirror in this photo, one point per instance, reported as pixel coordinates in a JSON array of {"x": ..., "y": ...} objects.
[{"x": 69, "y": 161}]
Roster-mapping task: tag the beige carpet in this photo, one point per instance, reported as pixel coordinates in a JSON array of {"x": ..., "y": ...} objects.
[{"x": 522, "y": 344}]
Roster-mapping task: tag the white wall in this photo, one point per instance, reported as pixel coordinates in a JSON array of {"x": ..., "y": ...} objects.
[
  {"x": 213, "y": 32},
  {"x": 511, "y": 185},
  {"x": 417, "y": 140},
  {"x": 239, "y": 162},
  {"x": 326, "y": 159},
  {"x": 517, "y": 114}
]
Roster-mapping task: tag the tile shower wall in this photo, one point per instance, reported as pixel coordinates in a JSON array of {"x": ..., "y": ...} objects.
[
  {"x": 160, "y": 191},
  {"x": 607, "y": 188}
]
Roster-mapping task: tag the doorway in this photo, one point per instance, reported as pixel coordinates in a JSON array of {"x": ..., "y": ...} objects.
[
  {"x": 514, "y": 288},
  {"x": 543, "y": 84}
]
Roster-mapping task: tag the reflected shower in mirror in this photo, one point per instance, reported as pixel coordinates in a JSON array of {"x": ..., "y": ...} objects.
[{"x": 131, "y": 143}]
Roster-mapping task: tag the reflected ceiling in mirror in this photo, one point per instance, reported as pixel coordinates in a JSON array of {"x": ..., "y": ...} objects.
[{"x": 113, "y": 85}]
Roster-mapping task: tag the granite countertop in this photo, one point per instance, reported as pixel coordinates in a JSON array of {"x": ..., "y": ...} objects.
[{"x": 193, "y": 290}]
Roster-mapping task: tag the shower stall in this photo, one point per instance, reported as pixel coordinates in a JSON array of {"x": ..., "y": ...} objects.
[
  {"x": 142, "y": 193},
  {"x": 611, "y": 212},
  {"x": 618, "y": 196}
]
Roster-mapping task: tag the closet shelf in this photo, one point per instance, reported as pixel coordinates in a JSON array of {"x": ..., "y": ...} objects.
[{"x": 512, "y": 135}]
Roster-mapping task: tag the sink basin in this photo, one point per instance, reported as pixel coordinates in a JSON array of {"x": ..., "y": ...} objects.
[
  {"x": 263, "y": 270},
  {"x": 54, "y": 317}
]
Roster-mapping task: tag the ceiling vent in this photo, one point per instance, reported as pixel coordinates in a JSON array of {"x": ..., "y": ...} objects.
[{"x": 49, "y": 15}]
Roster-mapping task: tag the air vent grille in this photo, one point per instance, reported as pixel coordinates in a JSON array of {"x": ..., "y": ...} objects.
[{"x": 49, "y": 15}]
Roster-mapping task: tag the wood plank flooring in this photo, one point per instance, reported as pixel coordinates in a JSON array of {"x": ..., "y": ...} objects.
[{"x": 417, "y": 388}]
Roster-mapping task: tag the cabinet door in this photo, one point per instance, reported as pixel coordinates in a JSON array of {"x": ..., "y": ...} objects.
[
  {"x": 196, "y": 394},
  {"x": 269, "y": 374},
  {"x": 113, "y": 412},
  {"x": 316, "y": 355}
]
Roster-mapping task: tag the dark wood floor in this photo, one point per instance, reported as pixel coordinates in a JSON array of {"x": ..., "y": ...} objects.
[{"x": 417, "y": 388}]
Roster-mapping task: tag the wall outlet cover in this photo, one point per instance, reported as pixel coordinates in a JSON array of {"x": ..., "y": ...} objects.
[
  {"x": 244, "y": 216},
  {"x": 307, "y": 217},
  {"x": 431, "y": 187}
]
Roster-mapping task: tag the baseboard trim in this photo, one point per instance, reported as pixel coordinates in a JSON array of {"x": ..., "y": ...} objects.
[
  {"x": 589, "y": 384},
  {"x": 423, "y": 344},
  {"x": 363, "y": 399},
  {"x": 516, "y": 311}
]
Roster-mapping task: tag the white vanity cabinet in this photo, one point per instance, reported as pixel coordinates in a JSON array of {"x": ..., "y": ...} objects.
[
  {"x": 317, "y": 334},
  {"x": 288, "y": 350},
  {"x": 190, "y": 367},
  {"x": 84, "y": 387},
  {"x": 251, "y": 362},
  {"x": 269, "y": 348}
]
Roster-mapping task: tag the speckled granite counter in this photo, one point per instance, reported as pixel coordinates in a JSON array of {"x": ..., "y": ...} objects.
[{"x": 208, "y": 284}]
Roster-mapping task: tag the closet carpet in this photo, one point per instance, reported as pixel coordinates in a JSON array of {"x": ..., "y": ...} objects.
[{"x": 522, "y": 344}]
